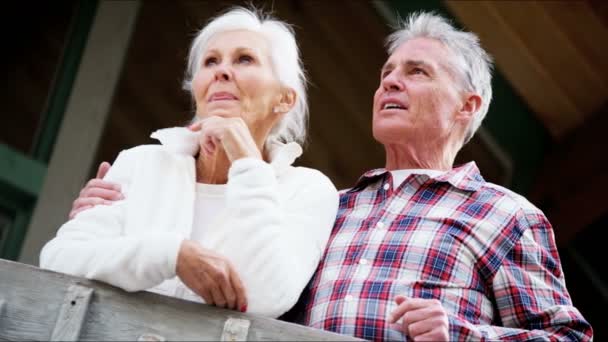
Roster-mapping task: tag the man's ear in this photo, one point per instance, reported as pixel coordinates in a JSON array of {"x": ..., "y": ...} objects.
[
  {"x": 470, "y": 106},
  {"x": 287, "y": 100}
]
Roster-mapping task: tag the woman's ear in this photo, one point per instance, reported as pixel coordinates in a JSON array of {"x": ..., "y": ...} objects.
[
  {"x": 287, "y": 99},
  {"x": 470, "y": 106}
]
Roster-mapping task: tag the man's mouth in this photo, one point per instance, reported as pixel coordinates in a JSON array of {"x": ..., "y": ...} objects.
[{"x": 392, "y": 105}]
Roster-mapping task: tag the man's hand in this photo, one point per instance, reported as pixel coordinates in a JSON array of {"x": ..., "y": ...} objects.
[
  {"x": 231, "y": 134},
  {"x": 423, "y": 319},
  {"x": 211, "y": 276},
  {"x": 96, "y": 191}
]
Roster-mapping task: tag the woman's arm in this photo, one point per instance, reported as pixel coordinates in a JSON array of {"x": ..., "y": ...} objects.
[
  {"x": 278, "y": 240},
  {"x": 94, "y": 245}
]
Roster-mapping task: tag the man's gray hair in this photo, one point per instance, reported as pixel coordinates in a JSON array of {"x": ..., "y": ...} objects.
[
  {"x": 473, "y": 64},
  {"x": 284, "y": 57}
]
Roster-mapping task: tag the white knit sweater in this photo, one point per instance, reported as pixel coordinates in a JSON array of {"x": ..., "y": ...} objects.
[{"x": 274, "y": 229}]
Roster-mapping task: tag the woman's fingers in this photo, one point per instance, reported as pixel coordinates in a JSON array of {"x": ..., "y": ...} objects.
[
  {"x": 205, "y": 293},
  {"x": 216, "y": 294},
  {"x": 239, "y": 291}
]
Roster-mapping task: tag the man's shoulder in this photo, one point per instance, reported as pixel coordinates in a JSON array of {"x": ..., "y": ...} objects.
[{"x": 512, "y": 201}]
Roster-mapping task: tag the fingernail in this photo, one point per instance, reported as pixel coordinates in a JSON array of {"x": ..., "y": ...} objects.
[{"x": 244, "y": 308}]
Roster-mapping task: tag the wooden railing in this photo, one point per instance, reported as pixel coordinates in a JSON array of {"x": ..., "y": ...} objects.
[{"x": 37, "y": 304}]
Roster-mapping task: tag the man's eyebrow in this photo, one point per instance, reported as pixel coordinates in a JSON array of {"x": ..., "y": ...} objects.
[
  {"x": 412, "y": 62},
  {"x": 388, "y": 65},
  {"x": 409, "y": 62}
]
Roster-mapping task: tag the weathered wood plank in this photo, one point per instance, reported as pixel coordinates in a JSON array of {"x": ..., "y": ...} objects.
[
  {"x": 35, "y": 297},
  {"x": 72, "y": 314}
]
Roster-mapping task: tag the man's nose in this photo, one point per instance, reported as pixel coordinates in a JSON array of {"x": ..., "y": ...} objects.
[{"x": 392, "y": 81}]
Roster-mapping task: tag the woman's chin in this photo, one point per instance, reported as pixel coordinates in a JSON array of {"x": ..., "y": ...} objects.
[{"x": 223, "y": 113}]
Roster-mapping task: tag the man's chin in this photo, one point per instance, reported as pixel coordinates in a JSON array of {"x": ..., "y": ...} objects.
[{"x": 388, "y": 135}]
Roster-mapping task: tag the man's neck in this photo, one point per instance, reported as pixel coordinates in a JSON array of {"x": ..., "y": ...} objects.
[{"x": 399, "y": 157}]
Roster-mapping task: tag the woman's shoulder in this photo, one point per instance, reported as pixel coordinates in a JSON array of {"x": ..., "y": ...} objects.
[
  {"x": 147, "y": 151},
  {"x": 310, "y": 178}
]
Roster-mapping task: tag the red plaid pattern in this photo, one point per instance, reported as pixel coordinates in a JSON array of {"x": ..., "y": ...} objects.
[{"x": 485, "y": 252}]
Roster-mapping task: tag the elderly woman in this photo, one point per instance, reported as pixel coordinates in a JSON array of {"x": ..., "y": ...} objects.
[{"x": 216, "y": 212}]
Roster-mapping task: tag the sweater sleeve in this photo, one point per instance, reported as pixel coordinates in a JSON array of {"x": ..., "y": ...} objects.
[
  {"x": 280, "y": 237},
  {"x": 94, "y": 244}
]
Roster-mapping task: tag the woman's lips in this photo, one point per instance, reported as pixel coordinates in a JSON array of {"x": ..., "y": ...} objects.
[{"x": 222, "y": 96}]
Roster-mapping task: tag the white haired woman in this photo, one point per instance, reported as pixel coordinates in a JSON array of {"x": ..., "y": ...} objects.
[{"x": 216, "y": 212}]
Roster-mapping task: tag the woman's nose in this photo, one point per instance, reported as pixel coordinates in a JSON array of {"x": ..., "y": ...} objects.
[{"x": 222, "y": 73}]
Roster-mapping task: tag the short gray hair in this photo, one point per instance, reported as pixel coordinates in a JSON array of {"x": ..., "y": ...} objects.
[
  {"x": 284, "y": 57},
  {"x": 473, "y": 63}
]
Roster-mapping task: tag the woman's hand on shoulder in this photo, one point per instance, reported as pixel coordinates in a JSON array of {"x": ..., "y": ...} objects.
[
  {"x": 211, "y": 276},
  {"x": 96, "y": 191},
  {"x": 231, "y": 134}
]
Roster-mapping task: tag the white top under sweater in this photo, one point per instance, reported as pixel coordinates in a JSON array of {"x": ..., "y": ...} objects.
[{"x": 274, "y": 227}]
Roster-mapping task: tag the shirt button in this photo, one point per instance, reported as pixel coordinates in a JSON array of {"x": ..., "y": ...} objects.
[
  {"x": 379, "y": 225},
  {"x": 386, "y": 186},
  {"x": 348, "y": 298},
  {"x": 363, "y": 261}
]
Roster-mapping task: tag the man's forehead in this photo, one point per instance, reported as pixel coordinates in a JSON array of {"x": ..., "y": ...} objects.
[{"x": 419, "y": 51}]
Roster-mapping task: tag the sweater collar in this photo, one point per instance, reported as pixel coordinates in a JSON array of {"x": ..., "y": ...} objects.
[{"x": 183, "y": 141}]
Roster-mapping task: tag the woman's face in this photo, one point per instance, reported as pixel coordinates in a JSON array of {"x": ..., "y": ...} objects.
[{"x": 235, "y": 78}]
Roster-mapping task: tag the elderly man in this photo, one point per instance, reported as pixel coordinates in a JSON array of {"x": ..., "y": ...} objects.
[{"x": 421, "y": 249}]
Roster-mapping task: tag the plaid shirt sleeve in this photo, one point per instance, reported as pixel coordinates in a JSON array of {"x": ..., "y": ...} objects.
[{"x": 530, "y": 294}]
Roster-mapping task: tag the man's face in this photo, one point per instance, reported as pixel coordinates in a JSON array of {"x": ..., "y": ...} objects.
[{"x": 418, "y": 97}]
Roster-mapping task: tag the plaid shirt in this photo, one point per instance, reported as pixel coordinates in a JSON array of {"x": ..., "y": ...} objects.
[{"x": 485, "y": 252}]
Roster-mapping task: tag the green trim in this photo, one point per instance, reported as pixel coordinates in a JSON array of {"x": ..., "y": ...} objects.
[
  {"x": 21, "y": 178},
  {"x": 48, "y": 129},
  {"x": 11, "y": 247},
  {"x": 509, "y": 120}
]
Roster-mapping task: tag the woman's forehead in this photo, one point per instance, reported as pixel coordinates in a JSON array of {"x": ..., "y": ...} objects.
[{"x": 238, "y": 39}]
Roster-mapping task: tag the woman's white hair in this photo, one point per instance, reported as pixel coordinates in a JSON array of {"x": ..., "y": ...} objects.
[
  {"x": 284, "y": 57},
  {"x": 472, "y": 63}
]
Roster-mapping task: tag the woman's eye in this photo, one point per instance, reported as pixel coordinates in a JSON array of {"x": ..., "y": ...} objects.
[
  {"x": 209, "y": 61},
  {"x": 245, "y": 59}
]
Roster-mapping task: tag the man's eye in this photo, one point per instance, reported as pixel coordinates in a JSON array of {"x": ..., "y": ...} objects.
[
  {"x": 385, "y": 73},
  {"x": 209, "y": 61},
  {"x": 418, "y": 71}
]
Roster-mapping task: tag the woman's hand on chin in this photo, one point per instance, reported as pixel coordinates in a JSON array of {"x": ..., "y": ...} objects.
[
  {"x": 211, "y": 276},
  {"x": 230, "y": 134}
]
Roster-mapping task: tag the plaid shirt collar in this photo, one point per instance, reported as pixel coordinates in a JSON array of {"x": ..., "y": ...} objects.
[{"x": 465, "y": 177}]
